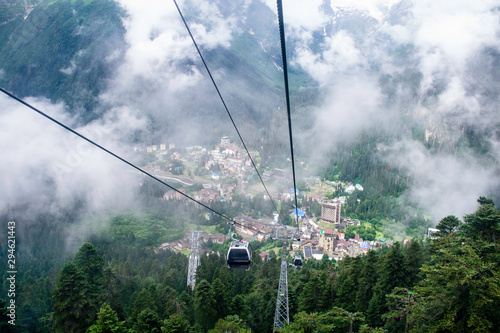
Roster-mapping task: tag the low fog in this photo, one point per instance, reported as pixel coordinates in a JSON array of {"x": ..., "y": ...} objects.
[
  {"x": 378, "y": 65},
  {"x": 46, "y": 169},
  {"x": 394, "y": 66}
]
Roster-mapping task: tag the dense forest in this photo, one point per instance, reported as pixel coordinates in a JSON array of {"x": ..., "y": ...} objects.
[{"x": 117, "y": 282}]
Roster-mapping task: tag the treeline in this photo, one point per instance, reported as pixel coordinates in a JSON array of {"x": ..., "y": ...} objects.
[
  {"x": 448, "y": 284},
  {"x": 118, "y": 284}
]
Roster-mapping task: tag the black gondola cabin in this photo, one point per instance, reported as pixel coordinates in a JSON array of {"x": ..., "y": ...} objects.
[
  {"x": 297, "y": 261},
  {"x": 239, "y": 255}
]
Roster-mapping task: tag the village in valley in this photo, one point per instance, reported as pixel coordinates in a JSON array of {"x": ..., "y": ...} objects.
[{"x": 211, "y": 175}]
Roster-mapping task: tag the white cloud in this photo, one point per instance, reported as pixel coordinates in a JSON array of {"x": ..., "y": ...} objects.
[
  {"x": 156, "y": 33},
  {"x": 441, "y": 40},
  {"x": 70, "y": 69},
  {"x": 49, "y": 166},
  {"x": 352, "y": 106},
  {"x": 300, "y": 15},
  {"x": 375, "y": 8},
  {"x": 161, "y": 61},
  {"x": 455, "y": 98},
  {"x": 301, "y": 19},
  {"x": 401, "y": 34},
  {"x": 339, "y": 55},
  {"x": 443, "y": 184},
  {"x": 457, "y": 36},
  {"x": 450, "y": 33}
]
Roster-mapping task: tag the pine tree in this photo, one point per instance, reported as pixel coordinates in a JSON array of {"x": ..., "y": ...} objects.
[
  {"x": 485, "y": 201},
  {"x": 230, "y": 324},
  {"x": 461, "y": 290},
  {"x": 186, "y": 305},
  {"x": 79, "y": 291},
  {"x": 324, "y": 291},
  {"x": 204, "y": 305},
  {"x": 71, "y": 311},
  {"x": 90, "y": 263},
  {"x": 307, "y": 300},
  {"x": 413, "y": 262},
  {"x": 340, "y": 320},
  {"x": 113, "y": 287},
  {"x": 392, "y": 274},
  {"x": 238, "y": 307},
  {"x": 306, "y": 323},
  {"x": 484, "y": 223},
  {"x": 256, "y": 305},
  {"x": 447, "y": 226},
  {"x": 143, "y": 300},
  {"x": 221, "y": 297},
  {"x": 375, "y": 310},
  {"x": 147, "y": 321},
  {"x": 107, "y": 322},
  {"x": 367, "y": 281},
  {"x": 400, "y": 302},
  {"x": 348, "y": 283},
  {"x": 175, "y": 324}
]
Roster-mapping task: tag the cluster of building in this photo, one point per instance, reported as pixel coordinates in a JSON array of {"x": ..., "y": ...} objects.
[
  {"x": 316, "y": 241},
  {"x": 206, "y": 195},
  {"x": 185, "y": 243},
  {"x": 232, "y": 161},
  {"x": 155, "y": 148},
  {"x": 331, "y": 241},
  {"x": 253, "y": 229}
]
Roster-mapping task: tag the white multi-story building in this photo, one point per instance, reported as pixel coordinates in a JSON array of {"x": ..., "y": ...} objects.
[
  {"x": 225, "y": 141},
  {"x": 330, "y": 212}
]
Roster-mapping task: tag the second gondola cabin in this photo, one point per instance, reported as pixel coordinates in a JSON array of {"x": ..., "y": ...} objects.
[
  {"x": 297, "y": 261},
  {"x": 239, "y": 255}
]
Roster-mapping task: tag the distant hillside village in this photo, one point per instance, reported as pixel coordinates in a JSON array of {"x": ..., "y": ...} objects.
[
  {"x": 231, "y": 160},
  {"x": 320, "y": 235}
]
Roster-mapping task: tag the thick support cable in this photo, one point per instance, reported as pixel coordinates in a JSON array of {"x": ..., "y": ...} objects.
[
  {"x": 224, "y": 103},
  {"x": 113, "y": 154},
  {"x": 287, "y": 96}
]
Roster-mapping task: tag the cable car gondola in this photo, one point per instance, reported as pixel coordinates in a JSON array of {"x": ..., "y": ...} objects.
[
  {"x": 239, "y": 255},
  {"x": 297, "y": 261}
]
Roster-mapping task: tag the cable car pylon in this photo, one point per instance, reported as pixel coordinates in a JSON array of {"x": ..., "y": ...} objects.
[
  {"x": 194, "y": 259},
  {"x": 281, "y": 316}
]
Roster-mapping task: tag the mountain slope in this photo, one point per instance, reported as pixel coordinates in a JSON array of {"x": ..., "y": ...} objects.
[{"x": 43, "y": 50}]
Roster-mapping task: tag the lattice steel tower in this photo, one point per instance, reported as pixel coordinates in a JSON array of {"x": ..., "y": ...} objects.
[
  {"x": 281, "y": 315},
  {"x": 194, "y": 259}
]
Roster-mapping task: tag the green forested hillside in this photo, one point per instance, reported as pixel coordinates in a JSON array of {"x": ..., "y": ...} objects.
[
  {"x": 117, "y": 283},
  {"x": 59, "y": 51}
]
